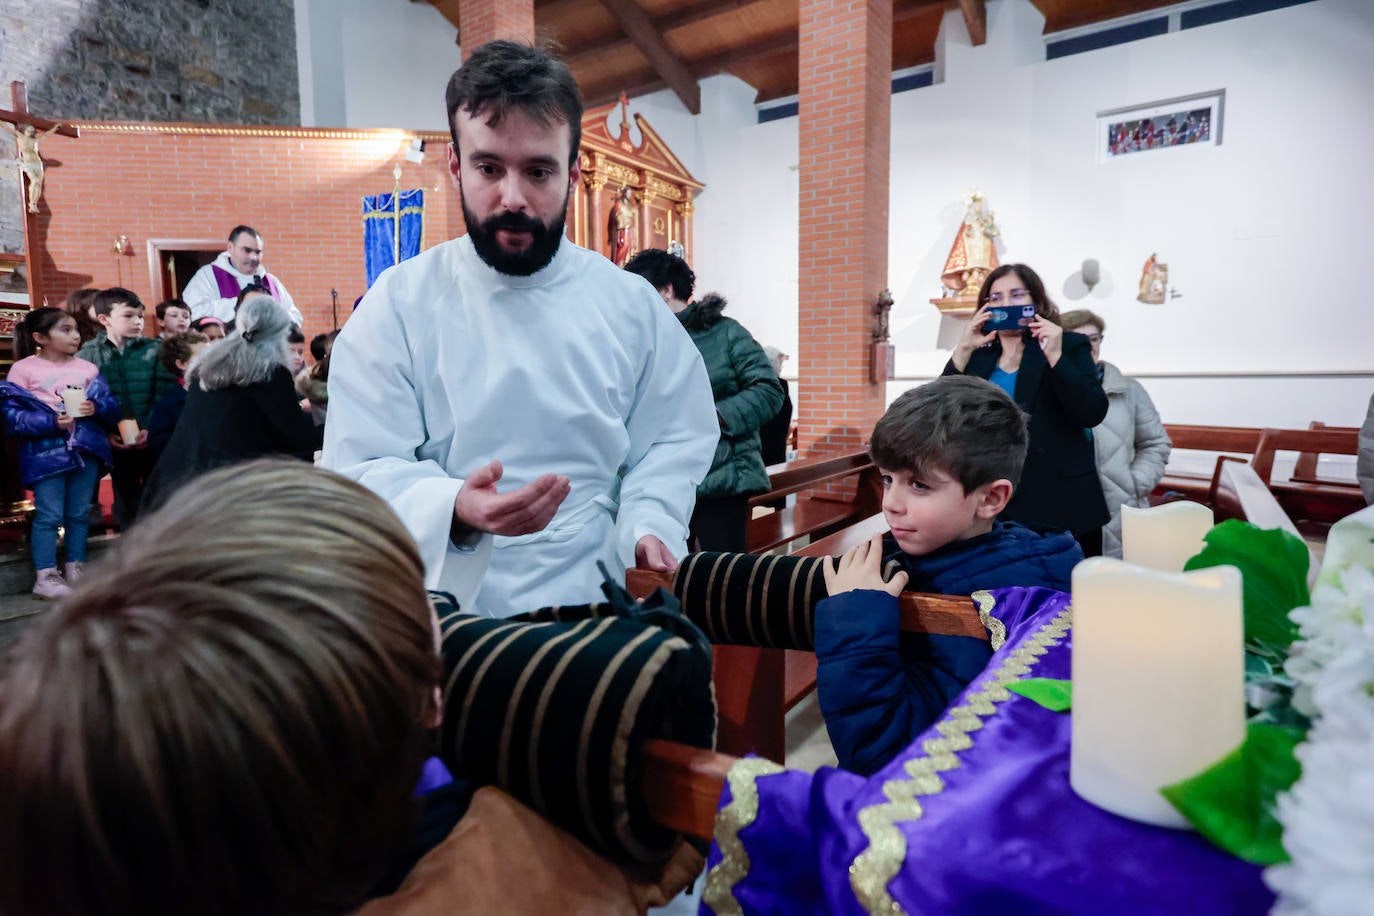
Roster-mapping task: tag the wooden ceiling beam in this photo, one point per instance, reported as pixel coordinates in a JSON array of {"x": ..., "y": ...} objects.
[
  {"x": 681, "y": 18},
  {"x": 650, "y": 43},
  {"x": 976, "y": 18},
  {"x": 783, "y": 42}
]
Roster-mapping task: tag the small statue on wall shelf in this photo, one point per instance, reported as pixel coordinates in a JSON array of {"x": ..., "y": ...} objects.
[
  {"x": 1154, "y": 281},
  {"x": 974, "y": 254}
]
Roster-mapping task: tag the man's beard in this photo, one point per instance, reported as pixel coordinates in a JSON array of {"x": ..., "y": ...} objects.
[{"x": 543, "y": 245}]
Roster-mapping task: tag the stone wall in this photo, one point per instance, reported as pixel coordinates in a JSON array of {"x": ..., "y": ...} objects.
[{"x": 215, "y": 61}]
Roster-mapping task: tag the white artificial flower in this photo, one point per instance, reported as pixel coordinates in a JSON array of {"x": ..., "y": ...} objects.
[{"x": 1328, "y": 814}]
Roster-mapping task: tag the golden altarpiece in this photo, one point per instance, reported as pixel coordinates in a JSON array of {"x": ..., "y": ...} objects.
[{"x": 632, "y": 196}]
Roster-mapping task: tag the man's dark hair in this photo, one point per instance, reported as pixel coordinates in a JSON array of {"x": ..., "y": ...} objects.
[
  {"x": 254, "y": 286},
  {"x": 663, "y": 269},
  {"x": 502, "y": 75},
  {"x": 107, "y": 299},
  {"x": 166, "y": 304},
  {"x": 960, "y": 425},
  {"x": 179, "y": 347},
  {"x": 320, "y": 344},
  {"x": 239, "y": 230},
  {"x": 294, "y": 336}
]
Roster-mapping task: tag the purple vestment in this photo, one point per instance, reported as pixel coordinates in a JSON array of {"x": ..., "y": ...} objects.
[{"x": 976, "y": 817}]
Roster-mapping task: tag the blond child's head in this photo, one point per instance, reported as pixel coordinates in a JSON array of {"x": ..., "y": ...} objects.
[{"x": 230, "y": 713}]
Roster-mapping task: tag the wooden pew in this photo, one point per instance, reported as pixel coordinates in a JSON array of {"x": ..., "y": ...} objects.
[
  {"x": 1305, "y": 469},
  {"x": 1238, "y": 440},
  {"x": 813, "y": 516},
  {"x": 1313, "y": 505},
  {"x": 756, "y": 687},
  {"x": 682, "y": 785}
]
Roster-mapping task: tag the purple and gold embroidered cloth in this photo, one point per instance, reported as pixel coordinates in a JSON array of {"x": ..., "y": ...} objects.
[{"x": 976, "y": 817}]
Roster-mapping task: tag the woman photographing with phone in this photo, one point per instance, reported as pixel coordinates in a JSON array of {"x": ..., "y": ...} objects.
[{"x": 1051, "y": 374}]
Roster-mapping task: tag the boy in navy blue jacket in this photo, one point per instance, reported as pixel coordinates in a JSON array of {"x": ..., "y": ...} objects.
[{"x": 950, "y": 454}]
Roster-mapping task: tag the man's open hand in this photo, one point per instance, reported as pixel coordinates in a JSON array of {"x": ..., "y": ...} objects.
[{"x": 523, "y": 511}]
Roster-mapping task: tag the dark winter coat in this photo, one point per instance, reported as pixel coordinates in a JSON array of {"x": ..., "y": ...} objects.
[
  {"x": 747, "y": 394},
  {"x": 1059, "y": 485},
  {"x": 46, "y": 451},
  {"x": 879, "y": 687},
  {"x": 231, "y": 425},
  {"x": 134, "y": 374}
]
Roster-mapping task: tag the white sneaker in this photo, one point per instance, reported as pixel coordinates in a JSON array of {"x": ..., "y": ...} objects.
[
  {"x": 73, "y": 571},
  {"x": 49, "y": 584}
]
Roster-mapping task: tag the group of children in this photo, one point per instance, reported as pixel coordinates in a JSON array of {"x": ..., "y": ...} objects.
[{"x": 90, "y": 394}]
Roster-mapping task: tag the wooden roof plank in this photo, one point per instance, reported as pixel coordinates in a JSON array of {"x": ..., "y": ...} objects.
[{"x": 650, "y": 43}]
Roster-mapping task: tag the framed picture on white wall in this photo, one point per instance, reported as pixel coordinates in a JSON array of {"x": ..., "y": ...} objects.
[{"x": 1190, "y": 120}]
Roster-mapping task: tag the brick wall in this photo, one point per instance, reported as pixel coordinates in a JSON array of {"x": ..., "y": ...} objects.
[
  {"x": 226, "y": 61},
  {"x": 487, "y": 20},
  {"x": 845, "y": 115},
  {"x": 300, "y": 188}
]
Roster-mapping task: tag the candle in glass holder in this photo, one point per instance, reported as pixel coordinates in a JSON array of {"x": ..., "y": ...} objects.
[
  {"x": 1158, "y": 682},
  {"x": 1164, "y": 537}
]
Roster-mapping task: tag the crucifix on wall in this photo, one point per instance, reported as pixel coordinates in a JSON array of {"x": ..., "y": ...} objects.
[{"x": 27, "y": 131}]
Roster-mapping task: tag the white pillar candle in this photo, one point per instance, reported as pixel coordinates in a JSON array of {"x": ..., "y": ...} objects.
[
  {"x": 1158, "y": 682},
  {"x": 1164, "y": 537}
]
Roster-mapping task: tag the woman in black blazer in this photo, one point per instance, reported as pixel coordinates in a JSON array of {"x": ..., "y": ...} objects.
[{"x": 1051, "y": 375}]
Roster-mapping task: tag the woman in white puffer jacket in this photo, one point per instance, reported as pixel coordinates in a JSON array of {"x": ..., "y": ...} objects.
[{"x": 1131, "y": 444}]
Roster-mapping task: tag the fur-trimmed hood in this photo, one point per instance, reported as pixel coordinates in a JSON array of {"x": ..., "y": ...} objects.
[{"x": 703, "y": 312}]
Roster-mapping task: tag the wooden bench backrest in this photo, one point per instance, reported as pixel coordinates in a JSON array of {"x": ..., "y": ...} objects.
[
  {"x": 1306, "y": 466},
  {"x": 1314, "y": 441},
  {"x": 1242, "y": 439},
  {"x": 682, "y": 785},
  {"x": 795, "y": 476}
]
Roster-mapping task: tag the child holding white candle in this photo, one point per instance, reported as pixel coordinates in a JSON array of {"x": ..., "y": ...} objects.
[{"x": 950, "y": 453}]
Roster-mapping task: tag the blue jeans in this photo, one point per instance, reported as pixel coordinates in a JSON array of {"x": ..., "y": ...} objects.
[{"x": 64, "y": 499}]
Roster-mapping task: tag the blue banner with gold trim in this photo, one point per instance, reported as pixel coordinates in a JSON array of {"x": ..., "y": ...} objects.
[{"x": 380, "y": 244}]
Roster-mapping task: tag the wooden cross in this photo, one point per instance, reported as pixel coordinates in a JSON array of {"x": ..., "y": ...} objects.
[{"x": 33, "y": 244}]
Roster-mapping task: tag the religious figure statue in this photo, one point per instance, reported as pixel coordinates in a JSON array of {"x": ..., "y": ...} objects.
[
  {"x": 27, "y": 159},
  {"x": 881, "y": 309},
  {"x": 621, "y": 223},
  {"x": 973, "y": 254},
  {"x": 1154, "y": 281}
]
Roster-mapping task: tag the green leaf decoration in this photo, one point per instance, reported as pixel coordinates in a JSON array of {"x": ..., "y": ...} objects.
[
  {"x": 1051, "y": 693},
  {"x": 1231, "y": 803},
  {"x": 1273, "y": 567}
]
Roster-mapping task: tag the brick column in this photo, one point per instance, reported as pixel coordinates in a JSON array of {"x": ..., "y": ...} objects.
[
  {"x": 845, "y": 109},
  {"x": 481, "y": 21}
]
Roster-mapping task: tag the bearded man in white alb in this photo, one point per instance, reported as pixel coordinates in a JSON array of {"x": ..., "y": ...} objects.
[{"x": 511, "y": 356}]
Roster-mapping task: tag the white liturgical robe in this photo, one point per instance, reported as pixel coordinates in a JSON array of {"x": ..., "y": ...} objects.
[{"x": 579, "y": 370}]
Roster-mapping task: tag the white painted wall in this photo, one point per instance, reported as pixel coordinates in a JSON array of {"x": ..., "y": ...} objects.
[
  {"x": 373, "y": 63},
  {"x": 1259, "y": 233}
]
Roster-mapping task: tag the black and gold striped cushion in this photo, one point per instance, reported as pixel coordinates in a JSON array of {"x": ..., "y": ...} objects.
[
  {"x": 742, "y": 599},
  {"x": 553, "y": 709}
]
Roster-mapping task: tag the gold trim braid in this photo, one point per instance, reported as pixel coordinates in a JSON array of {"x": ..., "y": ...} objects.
[
  {"x": 733, "y": 867},
  {"x": 876, "y": 866},
  {"x": 997, "y": 630}
]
